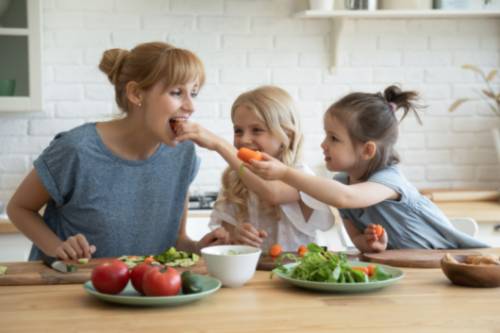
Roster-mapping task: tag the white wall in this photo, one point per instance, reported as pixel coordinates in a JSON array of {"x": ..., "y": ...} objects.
[{"x": 246, "y": 43}]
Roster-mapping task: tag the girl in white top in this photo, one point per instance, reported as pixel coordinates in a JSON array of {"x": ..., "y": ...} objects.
[{"x": 257, "y": 212}]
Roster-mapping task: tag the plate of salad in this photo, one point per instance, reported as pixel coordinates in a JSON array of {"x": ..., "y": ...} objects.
[
  {"x": 171, "y": 257},
  {"x": 322, "y": 270}
]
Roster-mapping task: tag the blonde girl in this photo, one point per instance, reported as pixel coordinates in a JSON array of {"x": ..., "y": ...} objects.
[
  {"x": 257, "y": 212},
  {"x": 361, "y": 130},
  {"x": 119, "y": 187}
]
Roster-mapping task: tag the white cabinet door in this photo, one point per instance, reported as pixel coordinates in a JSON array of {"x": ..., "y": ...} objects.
[{"x": 14, "y": 247}]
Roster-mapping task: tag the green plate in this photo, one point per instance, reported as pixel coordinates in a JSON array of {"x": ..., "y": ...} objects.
[
  {"x": 130, "y": 296},
  {"x": 396, "y": 273}
]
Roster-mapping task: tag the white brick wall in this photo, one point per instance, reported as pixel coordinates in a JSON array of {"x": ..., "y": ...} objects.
[{"x": 245, "y": 43}]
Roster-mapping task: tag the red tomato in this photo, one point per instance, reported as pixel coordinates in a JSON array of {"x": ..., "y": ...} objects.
[
  {"x": 110, "y": 277},
  {"x": 161, "y": 281},
  {"x": 137, "y": 275}
]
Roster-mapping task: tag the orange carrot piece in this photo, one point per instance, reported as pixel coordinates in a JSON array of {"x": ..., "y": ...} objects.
[
  {"x": 246, "y": 155},
  {"x": 275, "y": 250}
]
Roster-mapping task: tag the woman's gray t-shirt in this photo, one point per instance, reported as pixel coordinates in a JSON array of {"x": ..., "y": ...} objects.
[
  {"x": 413, "y": 221},
  {"x": 124, "y": 207}
]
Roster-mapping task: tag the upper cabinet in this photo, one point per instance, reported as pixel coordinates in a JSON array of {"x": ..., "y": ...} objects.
[{"x": 20, "y": 56}]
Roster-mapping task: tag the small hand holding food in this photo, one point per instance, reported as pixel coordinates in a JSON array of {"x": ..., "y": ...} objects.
[
  {"x": 75, "y": 247},
  {"x": 245, "y": 233},
  {"x": 218, "y": 236},
  {"x": 188, "y": 130},
  {"x": 376, "y": 237},
  {"x": 268, "y": 167}
]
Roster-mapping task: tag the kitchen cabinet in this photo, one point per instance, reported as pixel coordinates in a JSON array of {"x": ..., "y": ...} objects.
[
  {"x": 20, "y": 58},
  {"x": 339, "y": 16}
]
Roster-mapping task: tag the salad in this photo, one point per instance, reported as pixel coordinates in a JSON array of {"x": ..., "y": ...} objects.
[
  {"x": 171, "y": 257},
  {"x": 320, "y": 265}
]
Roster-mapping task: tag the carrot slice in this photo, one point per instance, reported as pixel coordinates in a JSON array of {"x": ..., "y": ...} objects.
[
  {"x": 275, "y": 250},
  {"x": 246, "y": 155}
]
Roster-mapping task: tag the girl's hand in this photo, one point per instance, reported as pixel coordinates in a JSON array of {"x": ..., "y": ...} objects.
[
  {"x": 269, "y": 168},
  {"x": 245, "y": 233},
  {"x": 375, "y": 241},
  {"x": 75, "y": 247},
  {"x": 188, "y": 130},
  {"x": 217, "y": 236}
]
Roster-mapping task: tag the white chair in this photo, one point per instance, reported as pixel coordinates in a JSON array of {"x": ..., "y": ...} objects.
[
  {"x": 336, "y": 238},
  {"x": 466, "y": 225}
]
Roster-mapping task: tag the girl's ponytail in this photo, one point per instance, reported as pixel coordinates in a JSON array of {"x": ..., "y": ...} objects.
[{"x": 402, "y": 99}]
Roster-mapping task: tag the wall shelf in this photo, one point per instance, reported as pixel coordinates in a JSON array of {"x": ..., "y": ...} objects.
[
  {"x": 339, "y": 16},
  {"x": 397, "y": 14}
]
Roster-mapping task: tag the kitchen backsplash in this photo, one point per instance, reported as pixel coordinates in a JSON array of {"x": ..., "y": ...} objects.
[{"x": 246, "y": 43}]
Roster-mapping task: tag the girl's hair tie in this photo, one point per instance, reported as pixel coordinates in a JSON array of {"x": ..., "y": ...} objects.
[{"x": 393, "y": 106}]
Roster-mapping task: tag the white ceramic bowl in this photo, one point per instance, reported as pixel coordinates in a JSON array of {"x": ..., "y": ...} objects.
[{"x": 233, "y": 265}]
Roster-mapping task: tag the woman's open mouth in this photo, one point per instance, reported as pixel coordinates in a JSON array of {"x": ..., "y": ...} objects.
[{"x": 175, "y": 122}]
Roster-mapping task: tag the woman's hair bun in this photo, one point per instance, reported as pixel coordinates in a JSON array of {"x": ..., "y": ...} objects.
[{"x": 111, "y": 63}]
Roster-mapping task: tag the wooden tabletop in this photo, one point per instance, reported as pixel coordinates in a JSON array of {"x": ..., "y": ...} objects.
[{"x": 423, "y": 301}]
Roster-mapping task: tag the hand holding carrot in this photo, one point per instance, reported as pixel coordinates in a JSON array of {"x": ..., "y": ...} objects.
[
  {"x": 268, "y": 167},
  {"x": 376, "y": 237}
]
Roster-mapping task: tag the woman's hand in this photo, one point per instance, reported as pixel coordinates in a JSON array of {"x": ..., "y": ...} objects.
[
  {"x": 75, "y": 247},
  {"x": 375, "y": 242},
  {"x": 188, "y": 130},
  {"x": 245, "y": 233},
  {"x": 268, "y": 168},
  {"x": 217, "y": 236}
]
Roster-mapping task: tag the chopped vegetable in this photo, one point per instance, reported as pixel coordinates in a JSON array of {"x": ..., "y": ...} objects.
[
  {"x": 379, "y": 230},
  {"x": 275, "y": 250},
  {"x": 302, "y": 250},
  {"x": 170, "y": 257},
  {"x": 83, "y": 260},
  {"x": 3, "y": 270},
  {"x": 246, "y": 155}
]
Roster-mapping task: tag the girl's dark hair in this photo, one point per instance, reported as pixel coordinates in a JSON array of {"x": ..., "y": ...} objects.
[{"x": 372, "y": 117}]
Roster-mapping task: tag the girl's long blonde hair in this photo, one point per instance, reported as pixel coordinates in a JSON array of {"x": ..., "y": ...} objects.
[{"x": 277, "y": 110}]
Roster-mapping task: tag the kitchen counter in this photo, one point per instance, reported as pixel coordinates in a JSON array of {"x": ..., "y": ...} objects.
[{"x": 423, "y": 301}]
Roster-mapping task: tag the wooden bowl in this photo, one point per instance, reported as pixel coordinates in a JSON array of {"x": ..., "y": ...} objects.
[{"x": 470, "y": 275}]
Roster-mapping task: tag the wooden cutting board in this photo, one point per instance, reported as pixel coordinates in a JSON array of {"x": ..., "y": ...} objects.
[
  {"x": 415, "y": 258},
  {"x": 35, "y": 272}
]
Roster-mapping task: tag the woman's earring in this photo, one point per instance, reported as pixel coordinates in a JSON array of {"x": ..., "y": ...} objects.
[{"x": 139, "y": 104}]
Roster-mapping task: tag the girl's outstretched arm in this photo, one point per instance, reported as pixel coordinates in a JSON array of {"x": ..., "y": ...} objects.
[
  {"x": 274, "y": 192},
  {"x": 329, "y": 191}
]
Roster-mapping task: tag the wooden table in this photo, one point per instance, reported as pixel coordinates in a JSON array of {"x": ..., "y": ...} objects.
[{"x": 423, "y": 301}]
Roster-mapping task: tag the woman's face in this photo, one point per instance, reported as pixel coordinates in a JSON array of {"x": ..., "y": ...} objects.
[
  {"x": 251, "y": 132},
  {"x": 162, "y": 107}
]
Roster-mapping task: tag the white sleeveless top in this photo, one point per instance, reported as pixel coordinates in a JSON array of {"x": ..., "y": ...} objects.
[{"x": 291, "y": 230}]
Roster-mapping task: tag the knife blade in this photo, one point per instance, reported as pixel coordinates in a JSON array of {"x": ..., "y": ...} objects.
[{"x": 58, "y": 265}]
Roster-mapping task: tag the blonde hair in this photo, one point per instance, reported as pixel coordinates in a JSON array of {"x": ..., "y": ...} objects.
[
  {"x": 277, "y": 110},
  {"x": 148, "y": 64}
]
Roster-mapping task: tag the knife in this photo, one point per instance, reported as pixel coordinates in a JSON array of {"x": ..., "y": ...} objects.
[{"x": 58, "y": 265}]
